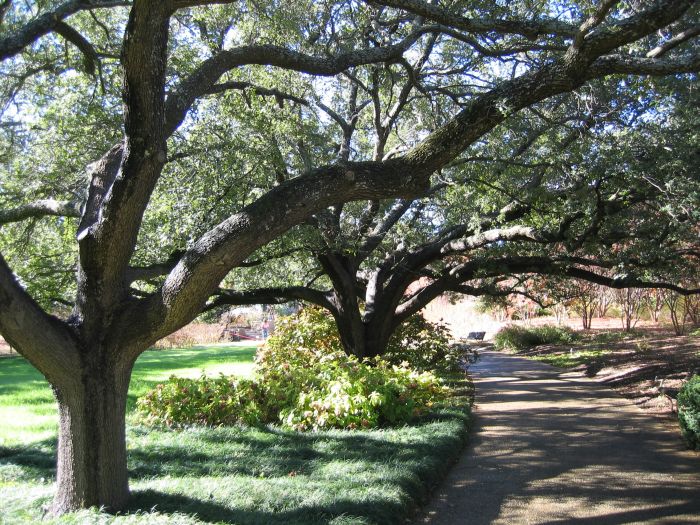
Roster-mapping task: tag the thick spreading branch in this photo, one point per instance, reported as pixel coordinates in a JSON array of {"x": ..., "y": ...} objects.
[
  {"x": 40, "y": 208},
  {"x": 485, "y": 112},
  {"x": 44, "y": 340},
  {"x": 107, "y": 244},
  {"x": 201, "y": 81},
  {"x": 47, "y": 22},
  {"x": 197, "y": 275},
  {"x": 278, "y": 295},
  {"x": 674, "y": 42},
  {"x": 530, "y": 29},
  {"x": 90, "y": 58},
  {"x": 485, "y": 268}
]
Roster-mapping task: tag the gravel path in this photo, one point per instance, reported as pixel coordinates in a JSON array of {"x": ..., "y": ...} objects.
[{"x": 554, "y": 447}]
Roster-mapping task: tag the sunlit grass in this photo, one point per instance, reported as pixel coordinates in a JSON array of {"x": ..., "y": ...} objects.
[
  {"x": 570, "y": 359},
  {"x": 227, "y": 474},
  {"x": 28, "y": 410}
]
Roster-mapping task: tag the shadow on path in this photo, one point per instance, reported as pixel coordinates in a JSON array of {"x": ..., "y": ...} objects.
[{"x": 554, "y": 447}]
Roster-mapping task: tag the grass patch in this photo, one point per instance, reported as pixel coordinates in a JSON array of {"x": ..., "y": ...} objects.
[
  {"x": 609, "y": 336},
  {"x": 229, "y": 474},
  {"x": 570, "y": 359}
]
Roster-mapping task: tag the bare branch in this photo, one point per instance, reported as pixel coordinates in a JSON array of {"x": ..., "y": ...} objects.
[
  {"x": 270, "y": 296},
  {"x": 43, "y": 339},
  {"x": 258, "y": 90},
  {"x": 90, "y": 58},
  {"x": 513, "y": 233},
  {"x": 207, "y": 74},
  {"x": 591, "y": 22},
  {"x": 182, "y": 4},
  {"x": 144, "y": 273},
  {"x": 631, "y": 65}
]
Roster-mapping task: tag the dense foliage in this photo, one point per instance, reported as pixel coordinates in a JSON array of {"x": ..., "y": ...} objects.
[
  {"x": 305, "y": 382},
  {"x": 689, "y": 411},
  {"x": 516, "y": 338},
  {"x": 150, "y": 148},
  {"x": 424, "y": 345},
  {"x": 417, "y": 342},
  {"x": 212, "y": 401}
]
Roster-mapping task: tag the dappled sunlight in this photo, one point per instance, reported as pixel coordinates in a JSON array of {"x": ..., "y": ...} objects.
[
  {"x": 565, "y": 449},
  {"x": 234, "y": 474},
  {"x": 269, "y": 475}
]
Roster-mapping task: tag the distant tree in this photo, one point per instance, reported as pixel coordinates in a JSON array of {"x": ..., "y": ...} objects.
[
  {"x": 586, "y": 302},
  {"x": 631, "y": 302},
  {"x": 654, "y": 303},
  {"x": 678, "y": 311}
]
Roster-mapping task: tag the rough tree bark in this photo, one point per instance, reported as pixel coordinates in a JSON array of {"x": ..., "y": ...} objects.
[{"x": 91, "y": 468}]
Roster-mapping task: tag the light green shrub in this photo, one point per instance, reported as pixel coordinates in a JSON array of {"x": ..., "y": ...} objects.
[
  {"x": 689, "y": 411},
  {"x": 211, "y": 401},
  {"x": 516, "y": 338},
  {"x": 305, "y": 382}
]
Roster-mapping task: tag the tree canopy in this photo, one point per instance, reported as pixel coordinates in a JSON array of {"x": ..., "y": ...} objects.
[{"x": 151, "y": 147}]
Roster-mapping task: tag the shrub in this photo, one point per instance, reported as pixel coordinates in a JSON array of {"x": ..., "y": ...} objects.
[
  {"x": 348, "y": 394},
  {"x": 211, "y": 401},
  {"x": 305, "y": 382},
  {"x": 312, "y": 334},
  {"x": 424, "y": 346},
  {"x": 516, "y": 338},
  {"x": 689, "y": 411},
  {"x": 300, "y": 339},
  {"x": 314, "y": 385}
]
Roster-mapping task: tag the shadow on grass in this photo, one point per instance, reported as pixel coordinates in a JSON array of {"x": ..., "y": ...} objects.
[
  {"x": 35, "y": 461},
  {"x": 408, "y": 462},
  {"x": 274, "y": 452},
  {"x": 215, "y": 512}
]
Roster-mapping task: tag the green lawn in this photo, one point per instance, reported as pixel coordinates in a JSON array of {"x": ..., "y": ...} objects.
[
  {"x": 28, "y": 411},
  {"x": 228, "y": 474}
]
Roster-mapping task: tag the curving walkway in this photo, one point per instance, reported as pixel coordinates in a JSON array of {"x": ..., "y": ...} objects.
[{"x": 555, "y": 447}]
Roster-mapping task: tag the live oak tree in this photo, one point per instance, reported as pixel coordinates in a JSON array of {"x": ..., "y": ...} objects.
[
  {"x": 145, "y": 83},
  {"x": 580, "y": 194}
]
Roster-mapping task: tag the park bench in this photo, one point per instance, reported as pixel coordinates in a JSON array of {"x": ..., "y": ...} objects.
[{"x": 476, "y": 336}]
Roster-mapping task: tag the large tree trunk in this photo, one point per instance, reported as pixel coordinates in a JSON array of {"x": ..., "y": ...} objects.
[
  {"x": 91, "y": 442},
  {"x": 376, "y": 343},
  {"x": 364, "y": 339},
  {"x": 352, "y": 331}
]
